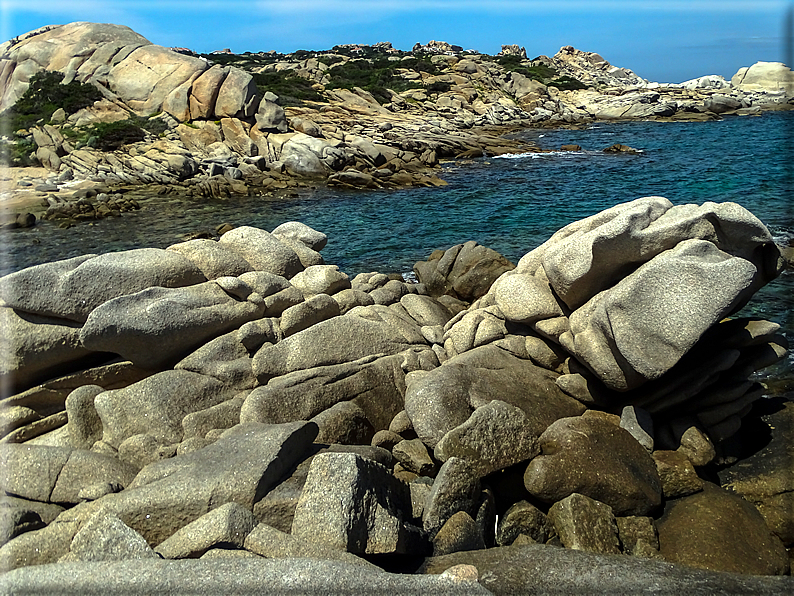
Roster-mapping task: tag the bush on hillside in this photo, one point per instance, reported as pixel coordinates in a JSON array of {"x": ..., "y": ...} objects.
[{"x": 46, "y": 94}]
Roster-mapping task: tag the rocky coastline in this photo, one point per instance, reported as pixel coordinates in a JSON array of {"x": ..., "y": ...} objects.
[
  {"x": 237, "y": 415},
  {"x": 240, "y": 413},
  {"x": 171, "y": 122}
]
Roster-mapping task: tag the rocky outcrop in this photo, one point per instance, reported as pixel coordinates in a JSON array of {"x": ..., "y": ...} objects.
[{"x": 547, "y": 401}]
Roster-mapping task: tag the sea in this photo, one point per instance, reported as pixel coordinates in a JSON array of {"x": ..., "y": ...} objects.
[{"x": 510, "y": 203}]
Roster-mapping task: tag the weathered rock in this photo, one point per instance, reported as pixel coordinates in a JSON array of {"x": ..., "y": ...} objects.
[
  {"x": 497, "y": 435},
  {"x": 465, "y": 271},
  {"x": 157, "y": 405},
  {"x": 373, "y": 505},
  {"x": 212, "y": 258},
  {"x": 77, "y": 286},
  {"x": 85, "y": 425},
  {"x": 523, "y": 518},
  {"x": 700, "y": 531},
  {"x": 460, "y": 532},
  {"x": 598, "y": 459},
  {"x": 344, "y": 423},
  {"x": 262, "y": 251},
  {"x": 237, "y": 96},
  {"x": 445, "y": 398},
  {"x": 456, "y": 488},
  {"x": 637, "y": 533},
  {"x": 319, "y": 307},
  {"x": 585, "y": 524},
  {"x": 241, "y": 575},
  {"x": 765, "y": 76},
  {"x": 204, "y": 92},
  {"x": 56, "y": 474},
  {"x": 301, "y": 232},
  {"x": 178, "y": 320},
  {"x": 228, "y": 525},
  {"x": 677, "y": 474},
  {"x": 104, "y": 537},
  {"x": 360, "y": 333},
  {"x": 413, "y": 455},
  {"x": 320, "y": 279},
  {"x": 546, "y": 570}
]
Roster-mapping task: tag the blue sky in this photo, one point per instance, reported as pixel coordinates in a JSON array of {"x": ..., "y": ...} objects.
[{"x": 666, "y": 41}]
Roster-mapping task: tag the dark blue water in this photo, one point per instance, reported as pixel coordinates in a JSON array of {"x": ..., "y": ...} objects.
[{"x": 510, "y": 205}]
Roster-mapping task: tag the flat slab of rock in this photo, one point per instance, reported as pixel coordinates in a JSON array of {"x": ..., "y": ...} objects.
[
  {"x": 550, "y": 571},
  {"x": 230, "y": 576}
]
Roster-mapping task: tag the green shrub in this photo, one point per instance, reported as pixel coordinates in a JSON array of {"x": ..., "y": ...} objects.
[
  {"x": 17, "y": 153},
  {"x": 567, "y": 83},
  {"x": 376, "y": 76},
  {"x": 291, "y": 89},
  {"x": 45, "y": 95}
]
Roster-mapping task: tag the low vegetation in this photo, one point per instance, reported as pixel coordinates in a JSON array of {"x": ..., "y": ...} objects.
[
  {"x": 539, "y": 72},
  {"x": 46, "y": 94}
]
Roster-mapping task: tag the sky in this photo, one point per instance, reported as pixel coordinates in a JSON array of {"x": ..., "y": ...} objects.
[{"x": 664, "y": 41}]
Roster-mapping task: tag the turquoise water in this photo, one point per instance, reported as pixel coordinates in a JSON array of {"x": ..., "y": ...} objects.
[{"x": 510, "y": 205}]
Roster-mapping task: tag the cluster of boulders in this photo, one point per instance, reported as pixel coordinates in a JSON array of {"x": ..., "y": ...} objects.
[{"x": 238, "y": 398}]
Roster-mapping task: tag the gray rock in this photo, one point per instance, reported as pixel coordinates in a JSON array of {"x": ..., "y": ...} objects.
[
  {"x": 546, "y": 570},
  {"x": 446, "y": 397},
  {"x": 228, "y": 525},
  {"x": 635, "y": 530},
  {"x": 77, "y": 286},
  {"x": 459, "y": 533},
  {"x": 724, "y": 282},
  {"x": 212, "y": 258},
  {"x": 373, "y": 507},
  {"x": 156, "y": 405},
  {"x": 320, "y": 279},
  {"x": 373, "y": 383},
  {"x": 413, "y": 455},
  {"x": 220, "y": 416},
  {"x": 225, "y": 358},
  {"x": 176, "y": 321},
  {"x": 523, "y": 518},
  {"x": 237, "y": 96},
  {"x": 240, "y": 467},
  {"x": 56, "y": 474},
  {"x": 263, "y": 251},
  {"x": 104, "y": 537},
  {"x": 425, "y": 310},
  {"x": 360, "y": 333},
  {"x": 596, "y": 458},
  {"x": 496, "y": 436},
  {"x": 43, "y": 348},
  {"x": 349, "y": 299},
  {"x": 677, "y": 474},
  {"x": 525, "y": 298},
  {"x": 270, "y": 117},
  {"x": 639, "y": 423},
  {"x": 465, "y": 271},
  {"x": 18, "y": 520},
  {"x": 319, "y": 307},
  {"x": 717, "y": 530},
  {"x": 85, "y": 425},
  {"x": 456, "y": 488},
  {"x": 344, "y": 423},
  {"x": 142, "y": 449},
  {"x": 205, "y": 577},
  {"x": 271, "y": 543},
  {"x": 583, "y": 523},
  {"x": 303, "y": 233}
]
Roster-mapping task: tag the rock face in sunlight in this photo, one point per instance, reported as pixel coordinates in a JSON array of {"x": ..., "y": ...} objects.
[{"x": 578, "y": 396}]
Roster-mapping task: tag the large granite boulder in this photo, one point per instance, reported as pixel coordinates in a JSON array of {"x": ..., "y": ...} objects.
[
  {"x": 177, "y": 320},
  {"x": 76, "y": 286},
  {"x": 445, "y": 398},
  {"x": 774, "y": 77},
  {"x": 594, "y": 457},
  {"x": 699, "y": 531}
]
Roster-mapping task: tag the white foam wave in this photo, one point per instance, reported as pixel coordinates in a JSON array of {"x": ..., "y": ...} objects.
[{"x": 543, "y": 155}]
